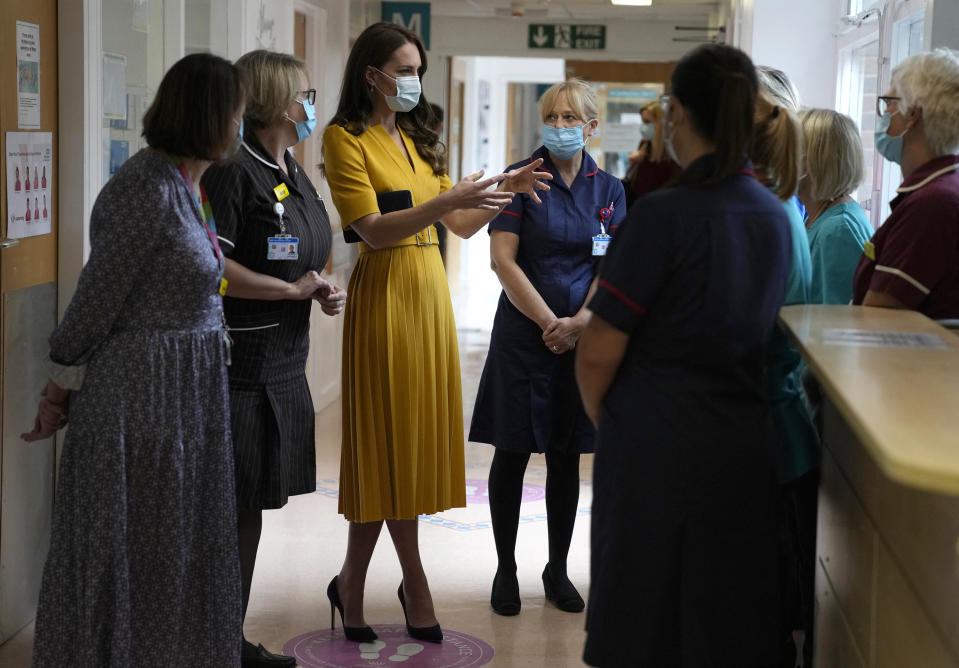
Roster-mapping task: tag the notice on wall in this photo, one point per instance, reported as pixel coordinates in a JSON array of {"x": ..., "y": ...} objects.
[
  {"x": 28, "y": 75},
  {"x": 114, "y": 86},
  {"x": 877, "y": 339},
  {"x": 29, "y": 183},
  {"x": 620, "y": 138},
  {"x": 141, "y": 15}
]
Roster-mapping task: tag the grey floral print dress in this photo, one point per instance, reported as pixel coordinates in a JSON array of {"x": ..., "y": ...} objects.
[{"x": 143, "y": 567}]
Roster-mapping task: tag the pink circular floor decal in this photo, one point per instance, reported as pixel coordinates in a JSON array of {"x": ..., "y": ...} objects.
[
  {"x": 477, "y": 492},
  {"x": 394, "y": 647}
]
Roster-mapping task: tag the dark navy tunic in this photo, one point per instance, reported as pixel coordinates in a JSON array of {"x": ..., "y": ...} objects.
[
  {"x": 270, "y": 402},
  {"x": 527, "y": 399},
  {"x": 684, "y": 541}
]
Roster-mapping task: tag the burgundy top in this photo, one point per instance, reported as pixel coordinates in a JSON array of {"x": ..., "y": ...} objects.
[
  {"x": 914, "y": 255},
  {"x": 649, "y": 176}
]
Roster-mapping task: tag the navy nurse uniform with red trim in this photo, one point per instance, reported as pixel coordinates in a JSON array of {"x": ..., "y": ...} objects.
[
  {"x": 527, "y": 399},
  {"x": 684, "y": 540}
]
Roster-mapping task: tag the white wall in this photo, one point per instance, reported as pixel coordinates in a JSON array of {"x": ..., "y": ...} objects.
[{"x": 798, "y": 38}]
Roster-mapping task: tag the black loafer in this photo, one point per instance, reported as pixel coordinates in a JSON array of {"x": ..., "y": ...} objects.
[{"x": 258, "y": 657}]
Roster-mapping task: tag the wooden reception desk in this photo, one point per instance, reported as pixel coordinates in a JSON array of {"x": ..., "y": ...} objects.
[{"x": 887, "y": 577}]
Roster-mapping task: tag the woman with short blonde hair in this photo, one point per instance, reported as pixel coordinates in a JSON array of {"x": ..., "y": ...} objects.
[
  {"x": 276, "y": 236},
  {"x": 837, "y": 226}
]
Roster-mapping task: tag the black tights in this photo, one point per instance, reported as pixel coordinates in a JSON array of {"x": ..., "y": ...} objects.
[
  {"x": 249, "y": 526},
  {"x": 562, "y": 498}
]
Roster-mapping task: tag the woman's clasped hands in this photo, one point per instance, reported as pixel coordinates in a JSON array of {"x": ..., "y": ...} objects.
[
  {"x": 51, "y": 414},
  {"x": 561, "y": 334},
  {"x": 311, "y": 285}
]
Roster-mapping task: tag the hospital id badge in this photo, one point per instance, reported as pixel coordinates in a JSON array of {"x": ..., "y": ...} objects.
[
  {"x": 600, "y": 244},
  {"x": 283, "y": 248}
]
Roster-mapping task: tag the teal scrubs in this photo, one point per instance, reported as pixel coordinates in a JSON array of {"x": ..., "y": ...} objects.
[
  {"x": 836, "y": 240},
  {"x": 797, "y": 450}
]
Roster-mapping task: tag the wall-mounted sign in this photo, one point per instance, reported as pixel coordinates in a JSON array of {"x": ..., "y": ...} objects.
[
  {"x": 414, "y": 16},
  {"x": 29, "y": 158},
  {"x": 566, "y": 36},
  {"x": 28, "y": 75}
]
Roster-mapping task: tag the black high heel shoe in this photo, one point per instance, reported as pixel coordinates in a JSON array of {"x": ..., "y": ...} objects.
[
  {"x": 425, "y": 633},
  {"x": 354, "y": 633},
  {"x": 563, "y": 594}
]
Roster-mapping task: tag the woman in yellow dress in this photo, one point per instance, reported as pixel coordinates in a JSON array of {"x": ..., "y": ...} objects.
[{"x": 402, "y": 406}]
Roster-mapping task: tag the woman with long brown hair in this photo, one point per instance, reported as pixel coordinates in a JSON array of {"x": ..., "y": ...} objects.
[{"x": 402, "y": 446}]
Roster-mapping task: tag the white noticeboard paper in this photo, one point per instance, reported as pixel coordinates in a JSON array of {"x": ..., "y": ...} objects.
[
  {"x": 29, "y": 183},
  {"x": 620, "y": 138},
  {"x": 28, "y": 75},
  {"x": 114, "y": 86},
  {"x": 875, "y": 339}
]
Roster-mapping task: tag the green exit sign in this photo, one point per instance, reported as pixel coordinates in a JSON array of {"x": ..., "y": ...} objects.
[{"x": 566, "y": 36}]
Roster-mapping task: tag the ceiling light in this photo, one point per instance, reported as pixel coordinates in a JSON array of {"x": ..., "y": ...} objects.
[{"x": 635, "y": 3}]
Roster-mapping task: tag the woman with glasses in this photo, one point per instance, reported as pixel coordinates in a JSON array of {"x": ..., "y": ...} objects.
[
  {"x": 670, "y": 368},
  {"x": 275, "y": 233},
  {"x": 912, "y": 261}
]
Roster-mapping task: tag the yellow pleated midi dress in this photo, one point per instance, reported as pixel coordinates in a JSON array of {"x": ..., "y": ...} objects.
[{"x": 402, "y": 453}]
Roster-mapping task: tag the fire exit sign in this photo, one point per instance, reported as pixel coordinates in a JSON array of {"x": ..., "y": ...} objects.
[{"x": 566, "y": 36}]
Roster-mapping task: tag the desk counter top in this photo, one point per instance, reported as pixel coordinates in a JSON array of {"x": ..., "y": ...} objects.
[{"x": 901, "y": 402}]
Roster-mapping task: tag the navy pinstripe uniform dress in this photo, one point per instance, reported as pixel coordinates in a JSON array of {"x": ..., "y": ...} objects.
[{"x": 272, "y": 410}]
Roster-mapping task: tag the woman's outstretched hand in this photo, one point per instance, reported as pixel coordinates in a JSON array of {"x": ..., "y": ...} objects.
[
  {"x": 527, "y": 180},
  {"x": 471, "y": 193}
]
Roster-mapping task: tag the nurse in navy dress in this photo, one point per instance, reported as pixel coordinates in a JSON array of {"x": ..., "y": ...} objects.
[
  {"x": 684, "y": 538},
  {"x": 545, "y": 255}
]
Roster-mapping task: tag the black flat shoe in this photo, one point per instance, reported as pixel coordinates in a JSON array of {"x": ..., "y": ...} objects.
[
  {"x": 424, "y": 633},
  {"x": 562, "y": 593},
  {"x": 258, "y": 657},
  {"x": 505, "y": 595},
  {"x": 354, "y": 633}
]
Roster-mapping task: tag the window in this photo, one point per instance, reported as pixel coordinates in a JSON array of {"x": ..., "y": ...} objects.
[
  {"x": 132, "y": 62},
  {"x": 859, "y": 86},
  {"x": 854, "y": 7}
]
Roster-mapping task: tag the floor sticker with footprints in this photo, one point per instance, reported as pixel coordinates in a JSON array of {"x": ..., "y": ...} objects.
[{"x": 330, "y": 649}]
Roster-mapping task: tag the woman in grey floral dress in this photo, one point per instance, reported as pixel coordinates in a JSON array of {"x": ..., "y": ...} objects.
[{"x": 143, "y": 567}]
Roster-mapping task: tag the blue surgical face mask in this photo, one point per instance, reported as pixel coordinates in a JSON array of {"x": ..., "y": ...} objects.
[
  {"x": 889, "y": 147},
  {"x": 564, "y": 143},
  {"x": 647, "y": 131},
  {"x": 305, "y": 128},
  {"x": 408, "y": 91}
]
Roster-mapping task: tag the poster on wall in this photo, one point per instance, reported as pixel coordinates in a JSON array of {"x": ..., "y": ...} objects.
[
  {"x": 28, "y": 75},
  {"x": 141, "y": 15},
  {"x": 29, "y": 183},
  {"x": 114, "y": 86}
]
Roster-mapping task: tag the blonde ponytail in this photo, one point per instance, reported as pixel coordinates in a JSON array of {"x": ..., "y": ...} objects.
[{"x": 777, "y": 147}]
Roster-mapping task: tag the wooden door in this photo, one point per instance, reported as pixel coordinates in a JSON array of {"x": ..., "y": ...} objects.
[{"x": 28, "y": 308}]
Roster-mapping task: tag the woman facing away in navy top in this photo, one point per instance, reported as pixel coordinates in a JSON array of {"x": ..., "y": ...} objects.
[
  {"x": 545, "y": 255},
  {"x": 670, "y": 367}
]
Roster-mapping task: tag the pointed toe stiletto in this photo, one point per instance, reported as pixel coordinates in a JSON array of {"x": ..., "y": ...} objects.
[
  {"x": 505, "y": 595},
  {"x": 424, "y": 633},
  {"x": 562, "y": 593},
  {"x": 354, "y": 633}
]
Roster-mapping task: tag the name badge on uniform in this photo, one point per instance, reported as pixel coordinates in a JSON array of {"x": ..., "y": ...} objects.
[
  {"x": 870, "y": 251},
  {"x": 283, "y": 248},
  {"x": 282, "y": 192},
  {"x": 600, "y": 244}
]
